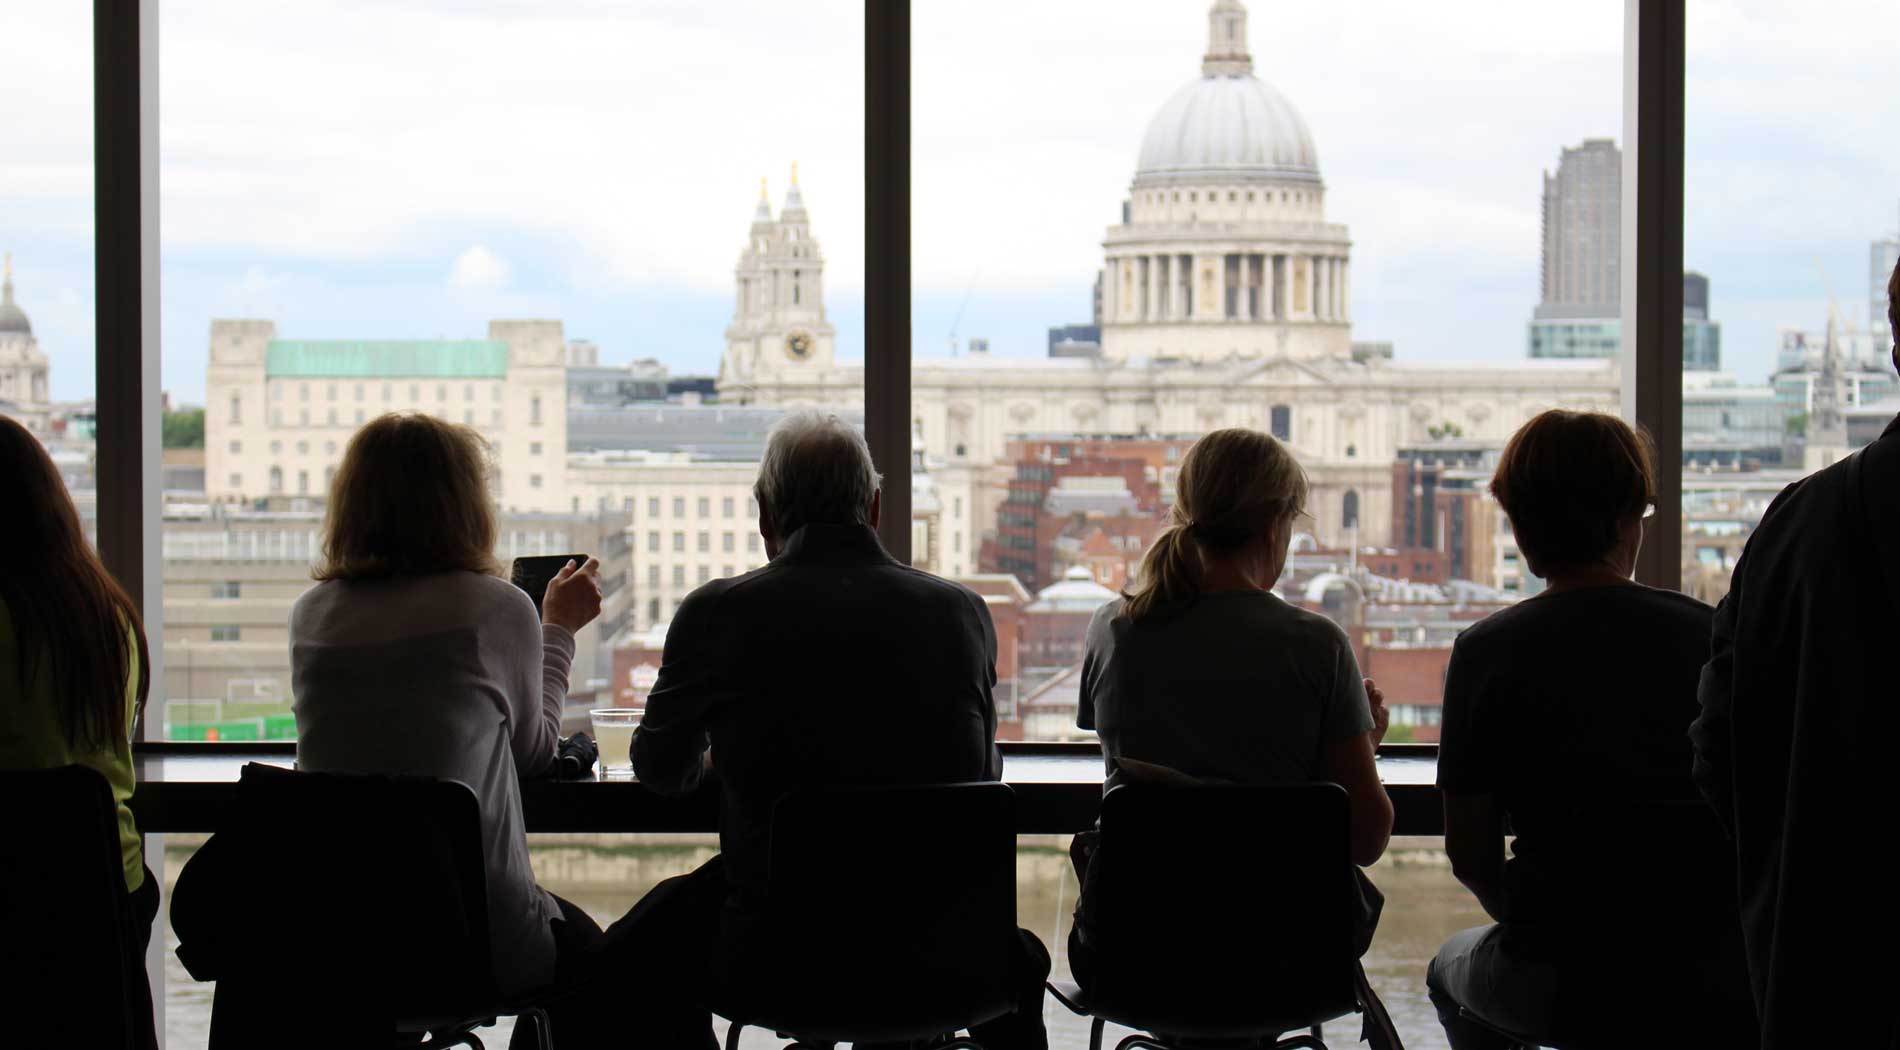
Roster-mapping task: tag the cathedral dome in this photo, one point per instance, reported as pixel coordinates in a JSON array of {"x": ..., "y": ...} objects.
[
  {"x": 1229, "y": 125},
  {"x": 12, "y": 319},
  {"x": 1227, "y": 129}
]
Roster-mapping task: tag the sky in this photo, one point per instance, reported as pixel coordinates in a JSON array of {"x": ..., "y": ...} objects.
[{"x": 402, "y": 169}]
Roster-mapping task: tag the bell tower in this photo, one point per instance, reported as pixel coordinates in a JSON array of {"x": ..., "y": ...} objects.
[{"x": 778, "y": 330}]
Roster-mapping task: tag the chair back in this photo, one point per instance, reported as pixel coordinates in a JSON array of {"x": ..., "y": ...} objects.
[
  {"x": 358, "y": 891},
  {"x": 64, "y": 908},
  {"x": 890, "y": 913},
  {"x": 1222, "y": 910}
]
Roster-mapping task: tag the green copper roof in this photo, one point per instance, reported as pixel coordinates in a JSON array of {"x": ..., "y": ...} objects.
[{"x": 387, "y": 358}]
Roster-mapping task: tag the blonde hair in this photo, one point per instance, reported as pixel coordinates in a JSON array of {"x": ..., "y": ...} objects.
[
  {"x": 1233, "y": 485},
  {"x": 409, "y": 498}
]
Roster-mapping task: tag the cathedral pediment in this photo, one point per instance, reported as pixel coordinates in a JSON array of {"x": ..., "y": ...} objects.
[{"x": 1281, "y": 371}]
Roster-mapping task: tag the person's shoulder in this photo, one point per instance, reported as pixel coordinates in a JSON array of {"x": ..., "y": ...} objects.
[
  {"x": 1303, "y": 625},
  {"x": 1500, "y": 627},
  {"x": 1675, "y": 603}
]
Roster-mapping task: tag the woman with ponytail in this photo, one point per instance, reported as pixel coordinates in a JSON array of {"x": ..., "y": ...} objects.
[
  {"x": 73, "y": 664},
  {"x": 1200, "y": 673}
]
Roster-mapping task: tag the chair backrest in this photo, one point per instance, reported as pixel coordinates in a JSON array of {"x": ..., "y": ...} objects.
[
  {"x": 63, "y": 908},
  {"x": 1216, "y": 909},
  {"x": 890, "y": 912},
  {"x": 366, "y": 888}
]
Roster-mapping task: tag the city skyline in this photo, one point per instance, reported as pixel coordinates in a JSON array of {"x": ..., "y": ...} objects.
[{"x": 1022, "y": 162}]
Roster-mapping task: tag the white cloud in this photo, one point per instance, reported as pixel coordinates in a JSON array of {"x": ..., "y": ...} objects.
[{"x": 478, "y": 269}]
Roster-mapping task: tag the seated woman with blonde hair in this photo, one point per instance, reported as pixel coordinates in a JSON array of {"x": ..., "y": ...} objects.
[
  {"x": 413, "y": 655},
  {"x": 1202, "y": 673}
]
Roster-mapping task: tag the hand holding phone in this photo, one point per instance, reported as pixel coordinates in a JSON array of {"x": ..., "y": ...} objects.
[{"x": 573, "y": 595}]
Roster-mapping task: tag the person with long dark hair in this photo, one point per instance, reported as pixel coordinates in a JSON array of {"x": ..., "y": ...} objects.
[{"x": 74, "y": 668}]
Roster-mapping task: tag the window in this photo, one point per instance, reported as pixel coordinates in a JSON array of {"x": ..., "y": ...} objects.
[
  {"x": 534, "y": 448},
  {"x": 303, "y": 448},
  {"x": 441, "y": 391},
  {"x": 725, "y": 571},
  {"x": 237, "y": 410},
  {"x": 726, "y": 542},
  {"x": 303, "y": 483},
  {"x": 679, "y": 543},
  {"x": 276, "y": 479},
  {"x": 224, "y": 633},
  {"x": 653, "y": 575},
  {"x": 726, "y": 506},
  {"x": 705, "y": 542},
  {"x": 534, "y": 411},
  {"x": 225, "y": 589},
  {"x": 705, "y": 507},
  {"x": 534, "y": 481},
  {"x": 276, "y": 447},
  {"x": 653, "y": 506},
  {"x": 1280, "y": 423},
  {"x": 237, "y": 483},
  {"x": 752, "y": 543},
  {"x": 679, "y": 575},
  {"x": 679, "y": 506},
  {"x": 705, "y": 573},
  {"x": 236, "y": 447},
  {"x": 653, "y": 541},
  {"x": 1349, "y": 510}
]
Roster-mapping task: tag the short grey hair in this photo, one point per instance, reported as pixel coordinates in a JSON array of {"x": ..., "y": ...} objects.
[{"x": 817, "y": 468}]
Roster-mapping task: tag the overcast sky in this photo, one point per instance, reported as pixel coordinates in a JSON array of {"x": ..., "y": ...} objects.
[{"x": 359, "y": 169}]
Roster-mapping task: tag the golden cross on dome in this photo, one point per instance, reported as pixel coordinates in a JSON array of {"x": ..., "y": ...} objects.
[
  {"x": 794, "y": 174},
  {"x": 762, "y": 194}
]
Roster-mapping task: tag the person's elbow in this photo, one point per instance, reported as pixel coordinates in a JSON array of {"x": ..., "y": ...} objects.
[{"x": 1371, "y": 828}]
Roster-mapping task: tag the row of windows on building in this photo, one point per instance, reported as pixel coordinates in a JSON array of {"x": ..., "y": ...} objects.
[
  {"x": 727, "y": 542},
  {"x": 728, "y": 507},
  {"x": 236, "y": 481},
  {"x": 701, "y": 575},
  {"x": 388, "y": 391},
  {"x": 415, "y": 398},
  {"x": 1233, "y": 197},
  {"x": 329, "y": 448}
]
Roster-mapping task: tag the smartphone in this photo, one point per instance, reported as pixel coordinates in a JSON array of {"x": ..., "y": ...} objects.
[{"x": 532, "y": 574}]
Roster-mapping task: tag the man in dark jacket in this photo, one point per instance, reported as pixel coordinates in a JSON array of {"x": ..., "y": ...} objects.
[
  {"x": 1797, "y": 712},
  {"x": 834, "y": 664}
]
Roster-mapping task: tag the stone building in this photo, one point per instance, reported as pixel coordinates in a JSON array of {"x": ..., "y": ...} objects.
[
  {"x": 23, "y": 393},
  {"x": 1225, "y": 302}
]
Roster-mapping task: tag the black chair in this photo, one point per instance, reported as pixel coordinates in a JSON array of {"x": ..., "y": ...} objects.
[
  {"x": 1218, "y": 916},
  {"x": 890, "y": 917},
  {"x": 356, "y": 901},
  {"x": 69, "y": 933}
]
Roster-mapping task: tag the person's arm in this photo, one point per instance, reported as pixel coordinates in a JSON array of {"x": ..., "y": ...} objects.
[
  {"x": 670, "y": 746},
  {"x": 993, "y": 761},
  {"x": 1349, "y": 757},
  {"x": 571, "y": 602},
  {"x": 1710, "y": 733},
  {"x": 1474, "y": 840}
]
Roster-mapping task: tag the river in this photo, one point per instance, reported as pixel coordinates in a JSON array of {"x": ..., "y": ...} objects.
[{"x": 606, "y": 874}]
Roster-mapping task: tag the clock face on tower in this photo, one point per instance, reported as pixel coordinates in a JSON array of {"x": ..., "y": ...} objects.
[{"x": 798, "y": 346}]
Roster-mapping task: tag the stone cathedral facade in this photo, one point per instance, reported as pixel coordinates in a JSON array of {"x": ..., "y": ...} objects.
[{"x": 1225, "y": 302}]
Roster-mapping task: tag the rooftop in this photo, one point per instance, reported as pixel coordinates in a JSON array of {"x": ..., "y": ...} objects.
[{"x": 386, "y": 358}]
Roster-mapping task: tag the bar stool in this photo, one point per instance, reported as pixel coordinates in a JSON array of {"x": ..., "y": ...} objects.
[
  {"x": 1217, "y": 916},
  {"x": 357, "y": 898},
  {"x": 69, "y": 935},
  {"x": 890, "y": 916}
]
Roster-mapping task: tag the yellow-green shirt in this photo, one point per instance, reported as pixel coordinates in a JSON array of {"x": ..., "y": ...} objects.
[{"x": 31, "y": 738}]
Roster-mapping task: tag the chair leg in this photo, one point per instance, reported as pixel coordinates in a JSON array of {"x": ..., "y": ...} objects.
[
  {"x": 1139, "y": 1041},
  {"x": 543, "y": 1029},
  {"x": 732, "y": 1035},
  {"x": 1095, "y": 1033},
  {"x": 1309, "y": 1041}
]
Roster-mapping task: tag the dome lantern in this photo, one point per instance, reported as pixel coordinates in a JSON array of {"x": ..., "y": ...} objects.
[
  {"x": 1227, "y": 41},
  {"x": 13, "y": 320}
]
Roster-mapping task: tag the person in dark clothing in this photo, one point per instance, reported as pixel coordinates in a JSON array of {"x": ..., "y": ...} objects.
[
  {"x": 834, "y": 664},
  {"x": 1567, "y": 716},
  {"x": 1202, "y": 674},
  {"x": 1790, "y": 747}
]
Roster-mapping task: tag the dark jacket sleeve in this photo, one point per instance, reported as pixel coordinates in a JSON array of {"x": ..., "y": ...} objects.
[
  {"x": 985, "y": 628},
  {"x": 692, "y": 687},
  {"x": 1710, "y": 732}
]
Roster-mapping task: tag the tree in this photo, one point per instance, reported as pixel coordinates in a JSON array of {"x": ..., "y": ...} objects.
[
  {"x": 1445, "y": 430},
  {"x": 185, "y": 428},
  {"x": 1796, "y": 424}
]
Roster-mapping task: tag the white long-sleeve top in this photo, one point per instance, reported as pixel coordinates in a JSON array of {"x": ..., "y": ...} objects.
[{"x": 450, "y": 675}]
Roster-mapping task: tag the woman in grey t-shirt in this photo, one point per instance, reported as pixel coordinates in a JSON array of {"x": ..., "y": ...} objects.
[{"x": 1202, "y": 673}]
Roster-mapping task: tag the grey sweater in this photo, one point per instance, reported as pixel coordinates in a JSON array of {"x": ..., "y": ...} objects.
[{"x": 452, "y": 676}]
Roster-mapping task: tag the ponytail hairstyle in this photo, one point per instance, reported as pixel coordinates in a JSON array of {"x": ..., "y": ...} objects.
[
  {"x": 1233, "y": 485},
  {"x": 77, "y": 630}
]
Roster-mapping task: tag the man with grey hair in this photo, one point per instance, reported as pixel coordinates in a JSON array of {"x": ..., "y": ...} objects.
[{"x": 832, "y": 664}]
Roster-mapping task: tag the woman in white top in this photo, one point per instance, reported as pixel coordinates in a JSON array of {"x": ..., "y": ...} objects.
[
  {"x": 412, "y": 656},
  {"x": 1200, "y": 672}
]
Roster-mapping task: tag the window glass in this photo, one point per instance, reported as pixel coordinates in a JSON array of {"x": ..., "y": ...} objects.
[
  {"x": 1787, "y": 352},
  {"x": 1193, "y": 264},
  {"x": 46, "y": 260},
  {"x": 299, "y": 279}
]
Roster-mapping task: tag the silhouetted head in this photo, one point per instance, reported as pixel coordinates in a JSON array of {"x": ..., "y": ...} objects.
[
  {"x": 410, "y": 498},
  {"x": 816, "y": 470},
  {"x": 1893, "y": 312},
  {"x": 77, "y": 632},
  {"x": 1574, "y": 484},
  {"x": 1237, "y": 491}
]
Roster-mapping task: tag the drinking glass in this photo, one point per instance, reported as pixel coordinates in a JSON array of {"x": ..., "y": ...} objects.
[{"x": 613, "y": 731}]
